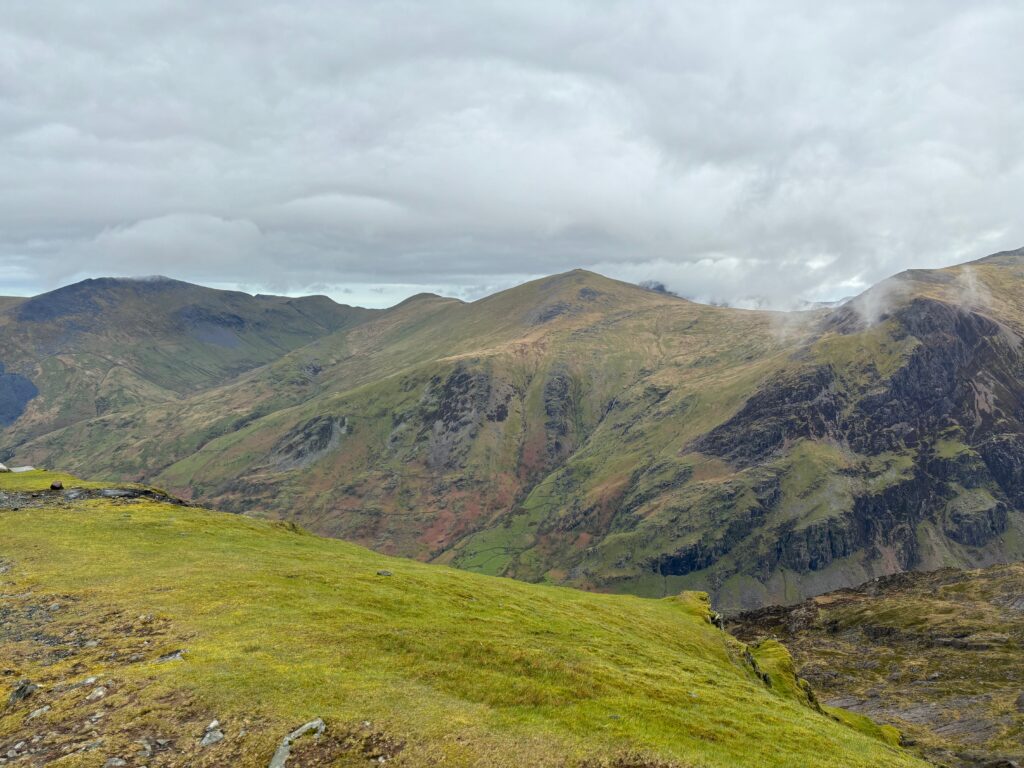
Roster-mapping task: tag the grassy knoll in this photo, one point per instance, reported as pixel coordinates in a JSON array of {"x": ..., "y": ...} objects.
[{"x": 415, "y": 663}]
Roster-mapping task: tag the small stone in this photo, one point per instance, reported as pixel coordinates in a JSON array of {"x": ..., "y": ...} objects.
[
  {"x": 22, "y": 691},
  {"x": 384, "y": 573},
  {"x": 90, "y": 681},
  {"x": 115, "y": 762},
  {"x": 92, "y": 644},
  {"x": 56, "y": 485},
  {"x": 54, "y": 606},
  {"x": 213, "y": 726},
  {"x": 97, "y": 694},
  {"x": 1020, "y": 702},
  {"x": 211, "y": 738},
  {"x": 20, "y": 746},
  {"x": 38, "y": 712}
]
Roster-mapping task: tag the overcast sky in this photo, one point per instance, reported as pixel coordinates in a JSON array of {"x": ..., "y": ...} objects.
[{"x": 737, "y": 151}]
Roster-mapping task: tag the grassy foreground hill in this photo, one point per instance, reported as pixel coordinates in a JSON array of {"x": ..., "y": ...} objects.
[
  {"x": 579, "y": 430},
  {"x": 130, "y": 623},
  {"x": 937, "y": 655}
]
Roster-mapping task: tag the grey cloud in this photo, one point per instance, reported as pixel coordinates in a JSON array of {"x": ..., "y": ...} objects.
[{"x": 748, "y": 152}]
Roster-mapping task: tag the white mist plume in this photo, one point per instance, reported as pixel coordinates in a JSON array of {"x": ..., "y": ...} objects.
[
  {"x": 972, "y": 293},
  {"x": 877, "y": 302}
]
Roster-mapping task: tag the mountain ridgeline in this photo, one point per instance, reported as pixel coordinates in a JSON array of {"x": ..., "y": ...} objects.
[{"x": 573, "y": 430}]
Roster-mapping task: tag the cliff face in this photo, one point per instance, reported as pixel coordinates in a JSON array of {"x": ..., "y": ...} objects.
[
  {"x": 950, "y": 415},
  {"x": 884, "y": 444}
]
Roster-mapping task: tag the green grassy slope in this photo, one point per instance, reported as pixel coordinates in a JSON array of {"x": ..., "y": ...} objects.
[
  {"x": 424, "y": 666},
  {"x": 583, "y": 431},
  {"x": 935, "y": 654}
]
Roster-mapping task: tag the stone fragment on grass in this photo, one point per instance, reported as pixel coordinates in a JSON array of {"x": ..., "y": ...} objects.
[
  {"x": 211, "y": 738},
  {"x": 96, "y": 694},
  {"x": 213, "y": 734},
  {"x": 284, "y": 749}
]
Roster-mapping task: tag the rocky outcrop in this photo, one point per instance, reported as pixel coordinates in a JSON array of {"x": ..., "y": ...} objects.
[
  {"x": 1003, "y": 455},
  {"x": 309, "y": 442},
  {"x": 559, "y": 412},
  {"x": 976, "y": 527},
  {"x": 966, "y": 371},
  {"x": 786, "y": 407},
  {"x": 452, "y": 411}
]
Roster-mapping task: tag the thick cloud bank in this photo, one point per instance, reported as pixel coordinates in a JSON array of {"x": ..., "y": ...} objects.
[{"x": 741, "y": 152}]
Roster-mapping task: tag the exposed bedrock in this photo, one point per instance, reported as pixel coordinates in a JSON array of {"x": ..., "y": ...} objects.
[
  {"x": 966, "y": 372},
  {"x": 452, "y": 411}
]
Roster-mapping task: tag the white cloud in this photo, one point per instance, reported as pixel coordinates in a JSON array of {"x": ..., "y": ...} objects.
[{"x": 747, "y": 152}]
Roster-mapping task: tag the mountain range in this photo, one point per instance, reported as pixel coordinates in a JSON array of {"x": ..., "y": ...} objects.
[{"x": 574, "y": 430}]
